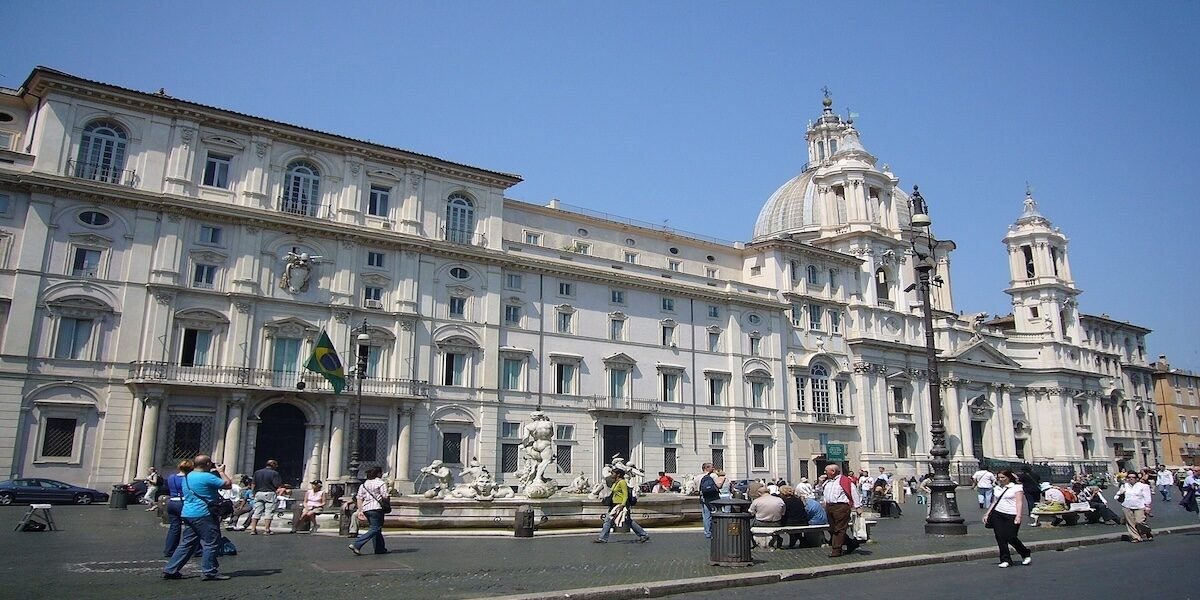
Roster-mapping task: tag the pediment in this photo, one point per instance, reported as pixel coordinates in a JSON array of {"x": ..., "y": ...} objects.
[
  {"x": 983, "y": 353},
  {"x": 619, "y": 358}
]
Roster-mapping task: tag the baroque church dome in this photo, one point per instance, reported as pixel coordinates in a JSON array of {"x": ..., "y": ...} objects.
[{"x": 790, "y": 208}]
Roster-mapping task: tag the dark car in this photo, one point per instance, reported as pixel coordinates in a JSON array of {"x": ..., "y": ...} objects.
[{"x": 47, "y": 490}]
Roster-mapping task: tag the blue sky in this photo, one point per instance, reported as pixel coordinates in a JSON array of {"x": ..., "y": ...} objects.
[{"x": 693, "y": 113}]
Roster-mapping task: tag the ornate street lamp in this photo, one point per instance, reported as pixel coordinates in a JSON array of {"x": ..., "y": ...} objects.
[
  {"x": 362, "y": 348},
  {"x": 944, "y": 518}
]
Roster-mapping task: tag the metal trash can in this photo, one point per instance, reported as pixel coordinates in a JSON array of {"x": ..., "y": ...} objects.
[
  {"x": 523, "y": 525},
  {"x": 731, "y": 540},
  {"x": 119, "y": 498}
]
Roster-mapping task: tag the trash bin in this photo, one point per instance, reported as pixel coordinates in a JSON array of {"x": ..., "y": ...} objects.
[
  {"x": 730, "y": 544},
  {"x": 523, "y": 525},
  {"x": 119, "y": 498}
]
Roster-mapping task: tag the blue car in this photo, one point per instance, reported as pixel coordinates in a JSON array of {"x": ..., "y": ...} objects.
[{"x": 30, "y": 490}]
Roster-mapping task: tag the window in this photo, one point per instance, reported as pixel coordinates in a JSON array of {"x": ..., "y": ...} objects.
[
  {"x": 285, "y": 359},
  {"x": 670, "y": 387},
  {"x": 881, "y": 283},
  {"x": 670, "y": 436},
  {"x": 58, "y": 438},
  {"x": 458, "y": 307},
  {"x": 820, "y": 389},
  {"x": 714, "y": 312},
  {"x": 377, "y": 201},
  {"x": 210, "y": 234},
  {"x": 800, "y": 385},
  {"x": 373, "y": 354},
  {"x": 454, "y": 369},
  {"x": 1054, "y": 259},
  {"x": 710, "y": 272},
  {"x": 216, "y": 170},
  {"x": 372, "y": 297},
  {"x": 835, "y": 321},
  {"x": 616, "y": 330},
  {"x": 813, "y": 278},
  {"x": 460, "y": 273},
  {"x": 73, "y": 337},
  {"x": 564, "y": 379},
  {"x": 203, "y": 276},
  {"x": 670, "y": 460},
  {"x": 512, "y": 315},
  {"x": 832, "y": 280},
  {"x": 1183, "y": 427},
  {"x": 798, "y": 315},
  {"x": 5, "y": 202},
  {"x": 760, "y": 456},
  {"x": 301, "y": 189},
  {"x": 755, "y": 271},
  {"x": 841, "y": 397},
  {"x": 1033, "y": 312},
  {"x": 196, "y": 343},
  {"x": 714, "y": 341},
  {"x": 6, "y": 140},
  {"x": 86, "y": 262},
  {"x": 668, "y": 304},
  {"x": 510, "y": 430},
  {"x": 718, "y": 458},
  {"x": 510, "y": 375},
  {"x": 668, "y": 335},
  {"x": 513, "y": 281},
  {"x": 758, "y": 394},
  {"x": 717, "y": 438},
  {"x": 631, "y": 257},
  {"x": 898, "y": 399},
  {"x": 509, "y": 457},
  {"x": 716, "y": 391},
  {"x": 1030, "y": 271},
  {"x": 565, "y": 322},
  {"x": 618, "y": 383},
  {"x": 566, "y": 289},
  {"x": 533, "y": 239},
  {"x": 815, "y": 314},
  {"x": 755, "y": 346},
  {"x": 581, "y": 248},
  {"x": 617, "y": 296},
  {"x": 754, "y": 319},
  {"x": 460, "y": 219},
  {"x": 452, "y": 448},
  {"x": 102, "y": 153},
  {"x": 673, "y": 265},
  {"x": 375, "y": 259}
]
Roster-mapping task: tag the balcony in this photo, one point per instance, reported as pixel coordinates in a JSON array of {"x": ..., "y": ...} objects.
[
  {"x": 1082, "y": 428},
  {"x": 102, "y": 172},
  {"x": 301, "y": 207},
  {"x": 900, "y": 418},
  {"x": 241, "y": 377},
  {"x": 823, "y": 418},
  {"x": 466, "y": 238},
  {"x": 622, "y": 406}
]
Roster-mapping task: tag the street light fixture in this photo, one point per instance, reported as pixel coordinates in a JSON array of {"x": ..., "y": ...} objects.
[{"x": 944, "y": 518}]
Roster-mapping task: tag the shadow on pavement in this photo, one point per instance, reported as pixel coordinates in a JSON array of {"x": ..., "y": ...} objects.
[{"x": 254, "y": 572}]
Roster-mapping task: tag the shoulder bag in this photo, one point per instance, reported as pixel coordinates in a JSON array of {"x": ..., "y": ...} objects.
[
  {"x": 221, "y": 508},
  {"x": 385, "y": 503},
  {"x": 987, "y": 522}
]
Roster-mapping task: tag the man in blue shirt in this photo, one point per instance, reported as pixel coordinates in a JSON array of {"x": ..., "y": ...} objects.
[
  {"x": 816, "y": 513},
  {"x": 200, "y": 525}
]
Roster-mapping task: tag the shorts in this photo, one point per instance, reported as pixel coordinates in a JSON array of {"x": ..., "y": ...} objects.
[{"x": 264, "y": 505}]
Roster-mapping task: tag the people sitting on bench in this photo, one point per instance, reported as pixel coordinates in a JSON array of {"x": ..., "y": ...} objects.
[
  {"x": 767, "y": 509},
  {"x": 1100, "y": 510},
  {"x": 795, "y": 512}
]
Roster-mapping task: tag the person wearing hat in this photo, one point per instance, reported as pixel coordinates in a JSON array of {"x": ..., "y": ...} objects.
[
  {"x": 622, "y": 498},
  {"x": 315, "y": 500}
]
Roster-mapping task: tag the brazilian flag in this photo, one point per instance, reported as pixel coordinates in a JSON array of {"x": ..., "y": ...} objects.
[{"x": 324, "y": 360}]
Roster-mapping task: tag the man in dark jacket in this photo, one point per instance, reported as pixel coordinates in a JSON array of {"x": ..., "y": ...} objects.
[{"x": 1031, "y": 484}]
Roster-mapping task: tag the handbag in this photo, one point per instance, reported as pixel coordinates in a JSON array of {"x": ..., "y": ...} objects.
[
  {"x": 385, "y": 504},
  {"x": 858, "y": 527},
  {"x": 987, "y": 521}
]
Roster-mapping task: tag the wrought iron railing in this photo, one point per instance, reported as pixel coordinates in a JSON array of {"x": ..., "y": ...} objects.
[
  {"x": 301, "y": 206},
  {"x": 630, "y": 404},
  {"x": 145, "y": 371},
  {"x": 468, "y": 238},
  {"x": 103, "y": 172}
]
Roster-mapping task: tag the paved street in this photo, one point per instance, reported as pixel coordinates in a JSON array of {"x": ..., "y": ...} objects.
[{"x": 102, "y": 553}]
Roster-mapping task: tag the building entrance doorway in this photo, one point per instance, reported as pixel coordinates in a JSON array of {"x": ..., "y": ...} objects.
[
  {"x": 616, "y": 441},
  {"x": 281, "y": 437},
  {"x": 977, "y": 438}
]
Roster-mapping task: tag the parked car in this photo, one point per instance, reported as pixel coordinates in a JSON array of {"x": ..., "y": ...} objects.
[
  {"x": 136, "y": 490},
  {"x": 47, "y": 490}
]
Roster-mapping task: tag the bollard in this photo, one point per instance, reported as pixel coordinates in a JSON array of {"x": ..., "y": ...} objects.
[{"x": 523, "y": 524}]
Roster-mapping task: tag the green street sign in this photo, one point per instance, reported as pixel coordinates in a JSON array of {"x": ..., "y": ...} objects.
[{"x": 835, "y": 451}]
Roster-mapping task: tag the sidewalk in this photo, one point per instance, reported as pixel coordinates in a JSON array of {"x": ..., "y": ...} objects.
[{"x": 101, "y": 553}]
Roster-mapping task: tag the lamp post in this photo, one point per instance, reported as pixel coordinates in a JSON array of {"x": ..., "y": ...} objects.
[
  {"x": 361, "y": 350},
  {"x": 944, "y": 518}
]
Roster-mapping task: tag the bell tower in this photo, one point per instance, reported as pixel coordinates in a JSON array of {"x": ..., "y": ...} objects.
[{"x": 1043, "y": 292}]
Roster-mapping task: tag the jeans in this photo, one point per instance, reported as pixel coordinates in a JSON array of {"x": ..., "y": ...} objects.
[
  {"x": 175, "y": 527},
  {"x": 202, "y": 532},
  {"x": 1165, "y": 490},
  {"x": 633, "y": 526},
  {"x": 1005, "y": 527},
  {"x": 151, "y": 494},
  {"x": 374, "y": 531},
  {"x": 985, "y": 496},
  {"x": 706, "y": 514}
]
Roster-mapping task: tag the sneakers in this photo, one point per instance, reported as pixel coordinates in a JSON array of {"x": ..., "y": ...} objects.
[
  {"x": 1003, "y": 565},
  {"x": 599, "y": 541},
  {"x": 172, "y": 575},
  {"x": 643, "y": 539},
  {"x": 1027, "y": 560},
  {"x": 356, "y": 551}
]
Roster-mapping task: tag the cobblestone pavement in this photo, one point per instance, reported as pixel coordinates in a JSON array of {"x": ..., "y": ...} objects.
[{"x": 103, "y": 553}]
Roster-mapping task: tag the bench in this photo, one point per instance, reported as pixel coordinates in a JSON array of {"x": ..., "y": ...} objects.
[
  {"x": 1069, "y": 517},
  {"x": 808, "y": 536}
]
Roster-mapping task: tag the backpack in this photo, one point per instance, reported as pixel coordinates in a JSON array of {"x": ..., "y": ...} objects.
[{"x": 1069, "y": 495}]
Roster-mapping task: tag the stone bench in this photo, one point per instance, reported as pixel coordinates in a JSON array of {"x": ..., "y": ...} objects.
[
  {"x": 808, "y": 536},
  {"x": 1069, "y": 517}
]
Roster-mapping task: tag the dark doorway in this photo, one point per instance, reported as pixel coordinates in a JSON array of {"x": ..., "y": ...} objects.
[
  {"x": 616, "y": 441},
  {"x": 977, "y": 438},
  {"x": 281, "y": 437}
]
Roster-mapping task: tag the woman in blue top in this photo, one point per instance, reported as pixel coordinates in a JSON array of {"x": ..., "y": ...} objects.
[
  {"x": 200, "y": 526},
  {"x": 175, "y": 506}
]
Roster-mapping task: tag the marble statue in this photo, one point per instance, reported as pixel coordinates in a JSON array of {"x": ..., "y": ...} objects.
[
  {"x": 473, "y": 469},
  {"x": 297, "y": 271},
  {"x": 579, "y": 485},
  {"x": 483, "y": 488},
  {"x": 538, "y": 443},
  {"x": 444, "y": 478},
  {"x": 689, "y": 487}
]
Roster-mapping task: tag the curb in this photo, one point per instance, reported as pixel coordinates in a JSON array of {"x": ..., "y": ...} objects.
[{"x": 658, "y": 589}]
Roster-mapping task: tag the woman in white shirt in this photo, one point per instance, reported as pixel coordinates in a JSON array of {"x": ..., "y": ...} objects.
[
  {"x": 370, "y": 505},
  {"x": 1005, "y": 517},
  {"x": 1135, "y": 498}
]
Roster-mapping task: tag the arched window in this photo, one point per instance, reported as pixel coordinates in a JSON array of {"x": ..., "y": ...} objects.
[
  {"x": 102, "y": 152},
  {"x": 881, "y": 283},
  {"x": 460, "y": 219},
  {"x": 819, "y": 376},
  {"x": 813, "y": 278},
  {"x": 301, "y": 189}
]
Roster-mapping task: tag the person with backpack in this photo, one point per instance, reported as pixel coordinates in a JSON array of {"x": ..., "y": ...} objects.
[
  {"x": 709, "y": 491},
  {"x": 622, "y": 498},
  {"x": 1031, "y": 485},
  {"x": 154, "y": 481}
]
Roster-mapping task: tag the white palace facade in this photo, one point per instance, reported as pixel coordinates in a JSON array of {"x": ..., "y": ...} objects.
[{"x": 143, "y": 239}]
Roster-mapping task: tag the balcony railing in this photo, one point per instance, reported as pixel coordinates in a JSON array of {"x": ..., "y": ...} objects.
[
  {"x": 103, "y": 172},
  {"x": 642, "y": 405},
  {"x": 468, "y": 238},
  {"x": 824, "y": 417},
  {"x": 300, "y": 206},
  {"x": 163, "y": 372}
]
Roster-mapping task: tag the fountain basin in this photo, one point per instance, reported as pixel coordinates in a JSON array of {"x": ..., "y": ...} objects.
[{"x": 561, "y": 511}]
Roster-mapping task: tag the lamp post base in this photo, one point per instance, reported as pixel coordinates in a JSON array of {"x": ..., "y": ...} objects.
[{"x": 946, "y": 528}]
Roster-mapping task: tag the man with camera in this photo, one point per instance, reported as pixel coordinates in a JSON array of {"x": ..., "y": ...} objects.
[{"x": 201, "y": 527}]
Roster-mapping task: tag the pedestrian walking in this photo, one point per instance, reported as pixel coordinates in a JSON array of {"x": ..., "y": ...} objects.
[
  {"x": 709, "y": 491},
  {"x": 1031, "y": 484},
  {"x": 1135, "y": 498},
  {"x": 1004, "y": 518},
  {"x": 984, "y": 481},
  {"x": 1165, "y": 480},
  {"x": 267, "y": 487},
  {"x": 201, "y": 529},
  {"x": 622, "y": 498},
  {"x": 370, "y": 499},
  {"x": 175, "y": 507},
  {"x": 154, "y": 481},
  {"x": 839, "y": 496}
]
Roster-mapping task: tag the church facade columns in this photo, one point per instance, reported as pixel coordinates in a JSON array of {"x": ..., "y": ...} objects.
[
  {"x": 147, "y": 444},
  {"x": 337, "y": 442}
]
